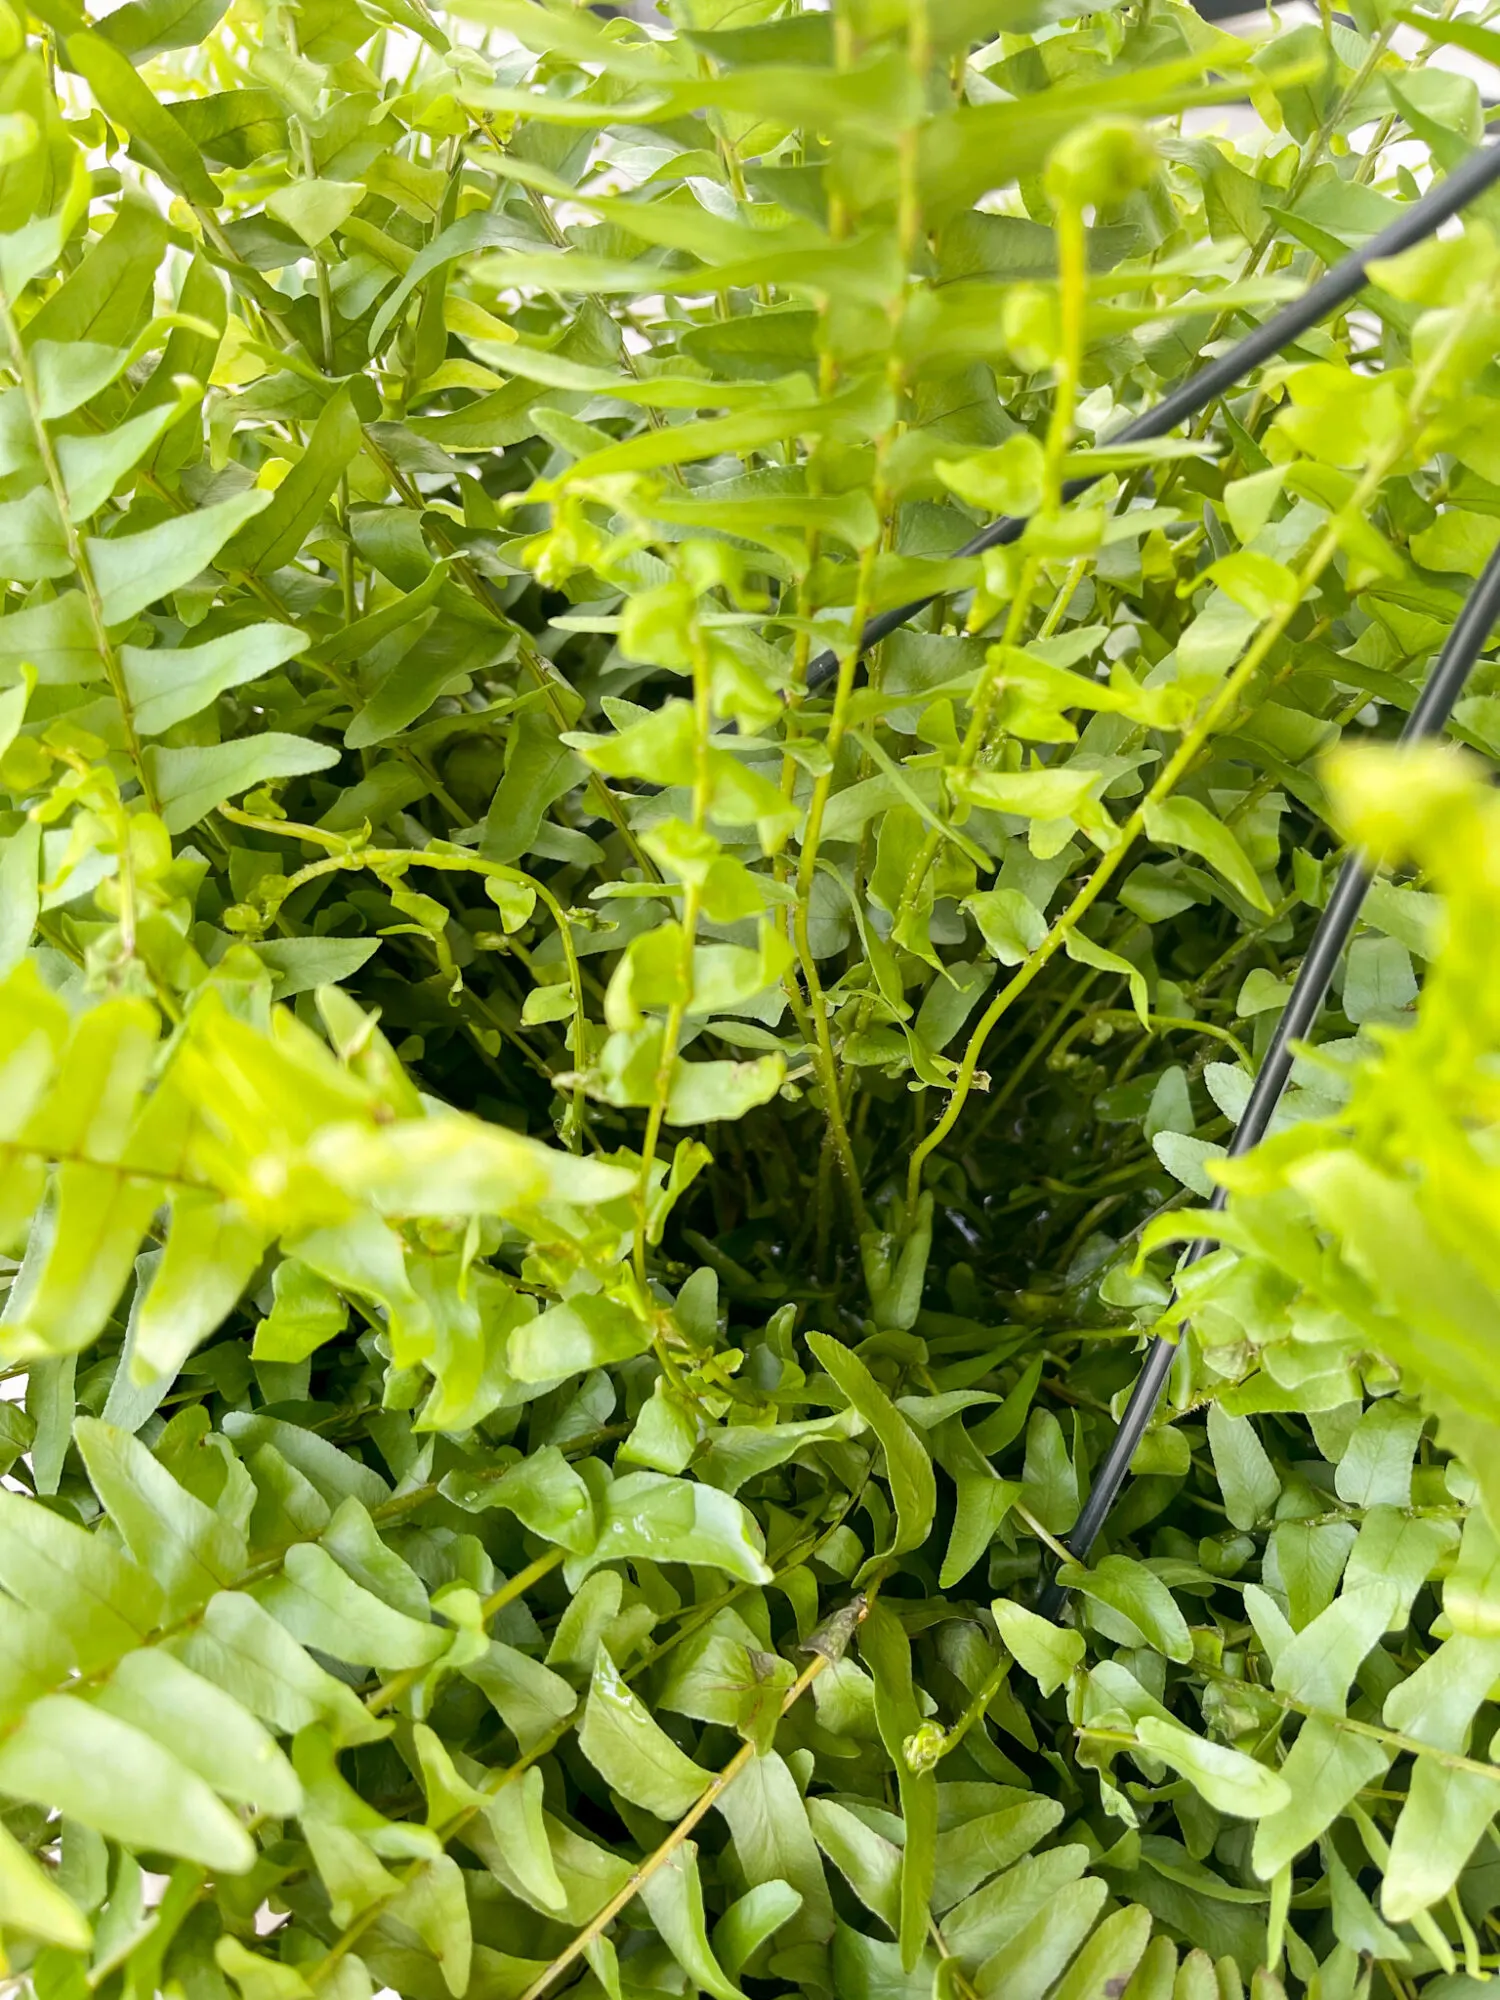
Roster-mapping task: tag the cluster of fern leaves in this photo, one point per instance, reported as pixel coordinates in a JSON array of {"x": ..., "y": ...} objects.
[{"x": 581, "y": 1194}]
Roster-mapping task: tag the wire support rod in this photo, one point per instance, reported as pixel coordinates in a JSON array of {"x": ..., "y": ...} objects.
[
  {"x": 1427, "y": 719},
  {"x": 1335, "y": 288},
  {"x": 1340, "y": 283}
]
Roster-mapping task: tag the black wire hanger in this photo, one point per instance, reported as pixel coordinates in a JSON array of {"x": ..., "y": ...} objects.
[
  {"x": 1338, "y": 285},
  {"x": 1428, "y": 718},
  {"x": 1468, "y": 180}
]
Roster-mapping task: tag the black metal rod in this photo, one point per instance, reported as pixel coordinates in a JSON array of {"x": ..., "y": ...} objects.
[
  {"x": 1335, "y": 288},
  {"x": 1428, "y": 718}
]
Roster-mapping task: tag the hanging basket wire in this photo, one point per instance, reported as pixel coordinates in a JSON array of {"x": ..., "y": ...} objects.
[{"x": 1338, "y": 285}]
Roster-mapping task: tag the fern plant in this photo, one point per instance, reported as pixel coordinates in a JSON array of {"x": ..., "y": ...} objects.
[{"x": 579, "y": 1196}]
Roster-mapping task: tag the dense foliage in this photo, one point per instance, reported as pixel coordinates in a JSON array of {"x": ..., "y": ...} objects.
[{"x": 581, "y": 1208}]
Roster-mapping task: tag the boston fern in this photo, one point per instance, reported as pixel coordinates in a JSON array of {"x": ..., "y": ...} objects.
[{"x": 581, "y": 1196}]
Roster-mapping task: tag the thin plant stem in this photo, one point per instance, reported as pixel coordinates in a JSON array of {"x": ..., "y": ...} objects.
[
  {"x": 1210, "y": 718},
  {"x": 662, "y": 1854},
  {"x": 78, "y": 556}
]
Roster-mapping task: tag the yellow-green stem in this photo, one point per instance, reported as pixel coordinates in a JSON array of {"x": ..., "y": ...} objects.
[
  {"x": 692, "y": 906},
  {"x": 1073, "y": 295},
  {"x": 825, "y": 1061},
  {"x": 78, "y": 556},
  {"x": 1214, "y": 712}
]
